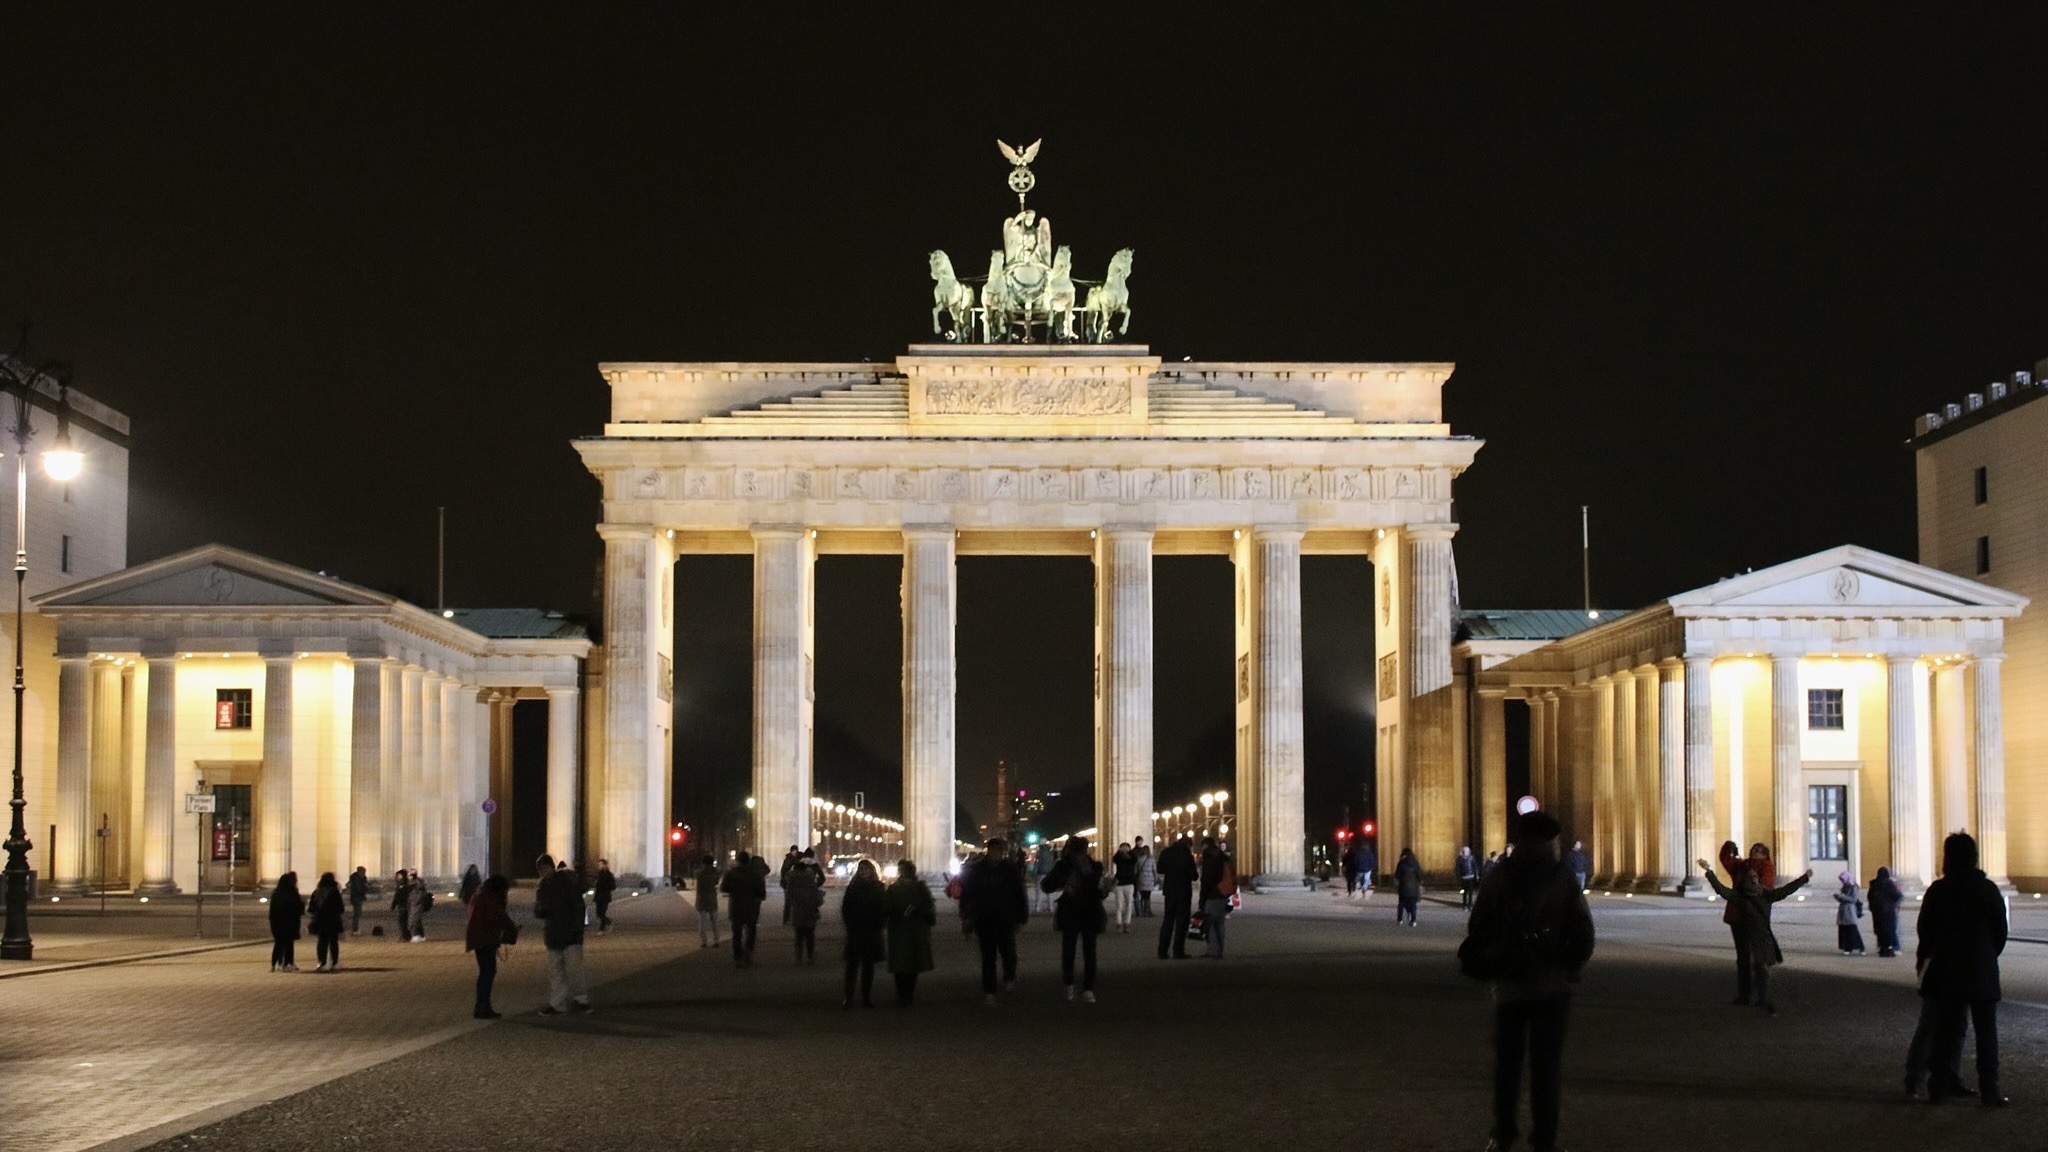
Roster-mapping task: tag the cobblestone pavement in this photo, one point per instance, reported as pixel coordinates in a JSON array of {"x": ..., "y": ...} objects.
[{"x": 1326, "y": 1023}]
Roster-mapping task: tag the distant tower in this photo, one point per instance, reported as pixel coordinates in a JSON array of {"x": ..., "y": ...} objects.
[{"x": 999, "y": 824}]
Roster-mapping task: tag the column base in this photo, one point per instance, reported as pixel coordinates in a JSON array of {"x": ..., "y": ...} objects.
[
  {"x": 157, "y": 888},
  {"x": 632, "y": 879},
  {"x": 67, "y": 888},
  {"x": 1663, "y": 886},
  {"x": 1283, "y": 884}
]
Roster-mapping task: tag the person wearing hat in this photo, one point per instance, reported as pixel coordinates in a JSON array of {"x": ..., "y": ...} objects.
[
  {"x": 1530, "y": 934},
  {"x": 1848, "y": 910}
]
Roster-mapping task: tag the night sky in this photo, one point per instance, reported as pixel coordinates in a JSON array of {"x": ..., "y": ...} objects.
[{"x": 343, "y": 265}]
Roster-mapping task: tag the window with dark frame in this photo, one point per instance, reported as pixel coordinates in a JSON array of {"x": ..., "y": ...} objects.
[
  {"x": 1983, "y": 485},
  {"x": 1827, "y": 822},
  {"x": 1824, "y": 710},
  {"x": 64, "y": 556},
  {"x": 234, "y": 708},
  {"x": 1983, "y": 555}
]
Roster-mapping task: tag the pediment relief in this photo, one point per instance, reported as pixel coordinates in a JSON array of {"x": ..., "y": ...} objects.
[
  {"x": 1848, "y": 579},
  {"x": 1845, "y": 586},
  {"x": 212, "y": 577}
]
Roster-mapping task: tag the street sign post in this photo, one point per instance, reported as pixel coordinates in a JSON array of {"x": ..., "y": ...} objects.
[{"x": 199, "y": 805}]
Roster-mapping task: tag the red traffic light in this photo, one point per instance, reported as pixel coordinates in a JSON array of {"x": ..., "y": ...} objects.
[
  {"x": 1365, "y": 829},
  {"x": 1343, "y": 833},
  {"x": 676, "y": 835}
]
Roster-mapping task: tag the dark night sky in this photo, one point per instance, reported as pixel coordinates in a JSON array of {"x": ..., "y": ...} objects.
[{"x": 342, "y": 266}]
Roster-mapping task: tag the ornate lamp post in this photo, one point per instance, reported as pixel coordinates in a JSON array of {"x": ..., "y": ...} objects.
[{"x": 62, "y": 462}]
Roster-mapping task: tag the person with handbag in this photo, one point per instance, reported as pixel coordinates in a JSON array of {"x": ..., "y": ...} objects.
[
  {"x": 1219, "y": 884},
  {"x": 1848, "y": 910},
  {"x": 490, "y": 928},
  {"x": 1750, "y": 904},
  {"x": 1080, "y": 884}
]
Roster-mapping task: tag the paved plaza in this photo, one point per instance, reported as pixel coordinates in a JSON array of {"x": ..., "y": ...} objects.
[{"x": 1325, "y": 1024}]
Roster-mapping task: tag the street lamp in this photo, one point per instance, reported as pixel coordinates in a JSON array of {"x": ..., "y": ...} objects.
[{"x": 63, "y": 463}]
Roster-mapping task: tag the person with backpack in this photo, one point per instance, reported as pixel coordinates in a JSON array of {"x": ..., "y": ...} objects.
[
  {"x": 746, "y": 889},
  {"x": 1081, "y": 884},
  {"x": 1530, "y": 935},
  {"x": 804, "y": 894},
  {"x": 558, "y": 903},
  {"x": 358, "y": 891},
  {"x": 287, "y": 908},
  {"x": 911, "y": 917},
  {"x": 1749, "y": 903},
  {"x": 1219, "y": 884},
  {"x": 992, "y": 900},
  {"x": 323, "y": 920},
  {"x": 1407, "y": 887}
]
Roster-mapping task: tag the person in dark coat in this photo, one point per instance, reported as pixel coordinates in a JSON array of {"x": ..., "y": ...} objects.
[
  {"x": 1177, "y": 875},
  {"x": 601, "y": 896},
  {"x": 558, "y": 903},
  {"x": 1468, "y": 876},
  {"x": 1885, "y": 898},
  {"x": 1962, "y": 931},
  {"x": 865, "y": 911},
  {"x": 484, "y": 934},
  {"x": 419, "y": 900},
  {"x": 401, "y": 903},
  {"x": 1580, "y": 862},
  {"x": 1078, "y": 912},
  {"x": 324, "y": 919},
  {"x": 911, "y": 917},
  {"x": 1530, "y": 934},
  {"x": 992, "y": 900},
  {"x": 358, "y": 891},
  {"x": 1407, "y": 887},
  {"x": 804, "y": 897},
  {"x": 1368, "y": 869},
  {"x": 1749, "y": 903},
  {"x": 746, "y": 889},
  {"x": 471, "y": 881},
  {"x": 287, "y": 908}
]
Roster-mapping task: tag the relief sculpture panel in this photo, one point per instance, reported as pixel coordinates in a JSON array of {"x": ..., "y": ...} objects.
[{"x": 1028, "y": 396}]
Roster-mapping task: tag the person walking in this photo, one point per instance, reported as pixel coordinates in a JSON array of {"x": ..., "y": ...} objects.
[
  {"x": 419, "y": 900},
  {"x": 602, "y": 894},
  {"x": 1756, "y": 946},
  {"x": 865, "y": 912},
  {"x": 358, "y": 891},
  {"x": 1041, "y": 867},
  {"x": 1178, "y": 873},
  {"x": 912, "y": 913},
  {"x": 1349, "y": 863},
  {"x": 1580, "y": 863},
  {"x": 1848, "y": 910},
  {"x": 1885, "y": 898},
  {"x": 1368, "y": 869},
  {"x": 1125, "y": 866},
  {"x": 804, "y": 895},
  {"x": 558, "y": 903},
  {"x": 287, "y": 908},
  {"x": 323, "y": 920},
  {"x": 1218, "y": 877},
  {"x": 1962, "y": 930},
  {"x": 1407, "y": 887},
  {"x": 1078, "y": 912},
  {"x": 471, "y": 881},
  {"x": 706, "y": 882},
  {"x": 1468, "y": 877},
  {"x": 1148, "y": 880},
  {"x": 488, "y": 928},
  {"x": 1530, "y": 935},
  {"x": 401, "y": 903},
  {"x": 746, "y": 889},
  {"x": 992, "y": 900}
]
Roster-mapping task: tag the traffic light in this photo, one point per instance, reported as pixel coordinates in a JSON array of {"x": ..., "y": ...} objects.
[
  {"x": 678, "y": 834},
  {"x": 1343, "y": 834},
  {"x": 1365, "y": 829}
]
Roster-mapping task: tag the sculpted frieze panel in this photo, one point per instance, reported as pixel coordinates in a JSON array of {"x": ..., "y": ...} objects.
[
  {"x": 952, "y": 485},
  {"x": 1146, "y": 484},
  {"x": 1199, "y": 484},
  {"x": 1300, "y": 484},
  {"x": 999, "y": 484},
  {"x": 1251, "y": 484},
  {"x": 904, "y": 483},
  {"x": 707, "y": 483},
  {"x": 1099, "y": 484},
  {"x": 1348, "y": 484},
  {"x": 1028, "y": 396},
  {"x": 1050, "y": 484}
]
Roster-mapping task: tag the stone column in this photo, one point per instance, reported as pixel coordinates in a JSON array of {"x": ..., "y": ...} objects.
[
  {"x": 432, "y": 791},
  {"x": 1910, "y": 858},
  {"x": 1647, "y": 786},
  {"x": 476, "y": 736},
  {"x": 1989, "y": 744},
  {"x": 562, "y": 704},
  {"x": 1672, "y": 863},
  {"x": 1493, "y": 772},
  {"x": 1539, "y": 751},
  {"x": 1606, "y": 853},
  {"x": 1954, "y": 730},
  {"x": 366, "y": 763},
  {"x": 500, "y": 705},
  {"x": 1698, "y": 689},
  {"x": 411, "y": 734},
  {"x": 1269, "y": 770},
  {"x": 451, "y": 790},
  {"x": 1433, "y": 821},
  {"x": 784, "y": 567},
  {"x": 1123, "y": 684},
  {"x": 1788, "y": 794},
  {"x": 160, "y": 779},
  {"x": 274, "y": 792},
  {"x": 75, "y": 823},
  {"x": 391, "y": 776},
  {"x": 638, "y": 701},
  {"x": 930, "y": 589},
  {"x": 1625, "y": 869}
]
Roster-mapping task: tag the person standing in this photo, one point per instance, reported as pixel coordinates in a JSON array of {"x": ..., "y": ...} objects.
[
  {"x": 804, "y": 896},
  {"x": 1178, "y": 873},
  {"x": 790, "y": 859},
  {"x": 865, "y": 911},
  {"x": 911, "y": 917},
  {"x": 488, "y": 929},
  {"x": 1962, "y": 930},
  {"x": 1468, "y": 877},
  {"x": 1580, "y": 863},
  {"x": 471, "y": 881},
  {"x": 1848, "y": 910},
  {"x": 358, "y": 891},
  {"x": 1407, "y": 887},
  {"x": 1750, "y": 903},
  {"x": 1530, "y": 935},
  {"x": 1125, "y": 865},
  {"x": 992, "y": 900},
  {"x": 746, "y": 889},
  {"x": 1148, "y": 880},
  {"x": 706, "y": 881},
  {"x": 323, "y": 912},
  {"x": 1078, "y": 913},
  {"x": 558, "y": 903},
  {"x": 1349, "y": 863},
  {"x": 401, "y": 903},
  {"x": 1041, "y": 867},
  {"x": 1884, "y": 912},
  {"x": 1219, "y": 884},
  {"x": 602, "y": 895},
  {"x": 287, "y": 908},
  {"x": 1368, "y": 869},
  {"x": 419, "y": 900}
]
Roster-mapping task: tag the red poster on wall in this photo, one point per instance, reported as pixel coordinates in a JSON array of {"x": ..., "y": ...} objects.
[
  {"x": 224, "y": 714},
  {"x": 223, "y": 842}
]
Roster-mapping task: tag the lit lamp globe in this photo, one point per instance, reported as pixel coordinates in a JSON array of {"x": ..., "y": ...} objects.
[
  {"x": 750, "y": 803},
  {"x": 62, "y": 462}
]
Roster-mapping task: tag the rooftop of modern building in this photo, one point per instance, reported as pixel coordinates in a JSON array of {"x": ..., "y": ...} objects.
[{"x": 1997, "y": 398}]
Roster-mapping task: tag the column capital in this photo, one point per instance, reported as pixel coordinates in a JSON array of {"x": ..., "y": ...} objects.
[
  {"x": 1283, "y": 532},
  {"x": 609, "y": 532},
  {"x": 277, "y": 649},
  {"x": 372, "y": 650},
  {"x": 555, "y": 693},
  {"x": 155, "y": 650},
  {"x": 777, "y": 531},
  {"x": 1992, "y": 659},
  {"x": 1430, "y": 531},
  {"x": 1895, "y": 659},
  {"x": 929, "y": 531},
  {"x": 1670, "y": 664},
  {"x": 1146, "y": 531}
]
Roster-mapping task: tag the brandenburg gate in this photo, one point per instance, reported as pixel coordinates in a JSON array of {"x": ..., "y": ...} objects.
[{"x": 1074, "y": 445}]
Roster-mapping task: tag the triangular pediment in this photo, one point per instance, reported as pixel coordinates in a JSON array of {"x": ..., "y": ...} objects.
[
  {"x": 1848, "y": 579},
  {"x": 213, "y": 576}
]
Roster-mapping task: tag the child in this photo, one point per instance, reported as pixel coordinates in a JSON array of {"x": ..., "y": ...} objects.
[{"x": 1749, "y": 916}]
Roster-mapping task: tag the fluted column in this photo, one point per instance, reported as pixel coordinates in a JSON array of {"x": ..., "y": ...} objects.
[
  {"x": 1123, "y": 684},
  {"x": 426, "y": 815},
  {"x": 1989, "y": 740},
  {"x": 1269, "y": 748},
  {"x": 1605, "y": 853},
  {"x": 1672, "y": 842},
  {"x": 74, "y": 775},
  {"x": 476, "y": 736},
  {"x": 274, "y": 793},
  {"x": 1434, "y": 822},
  {"x": 450, "y": 789},
  {"x": 391, "y": 776},
  {"x": 366, "y": 764},
  {"x": 1625, "y": 869},
  {"x": 1539, "y": 752},
  {"x": 1954, "y": 729},
  {"x": 160, "y": 779},
  {"x": 1493, "y": 771},
  {"x": 1788, "y": 795},
  {"x": 1698, "y": 689},
  {"x": 638, "y": 700},
  {"x": 930, "y": 588},
  {"x": 1910, "y": 859},
  {"x": 412, "y": 736},
  {"x": 784, "y": 566},
  {"x": 562, "y": 705},
  {"x": 1645, "y": 782}
]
